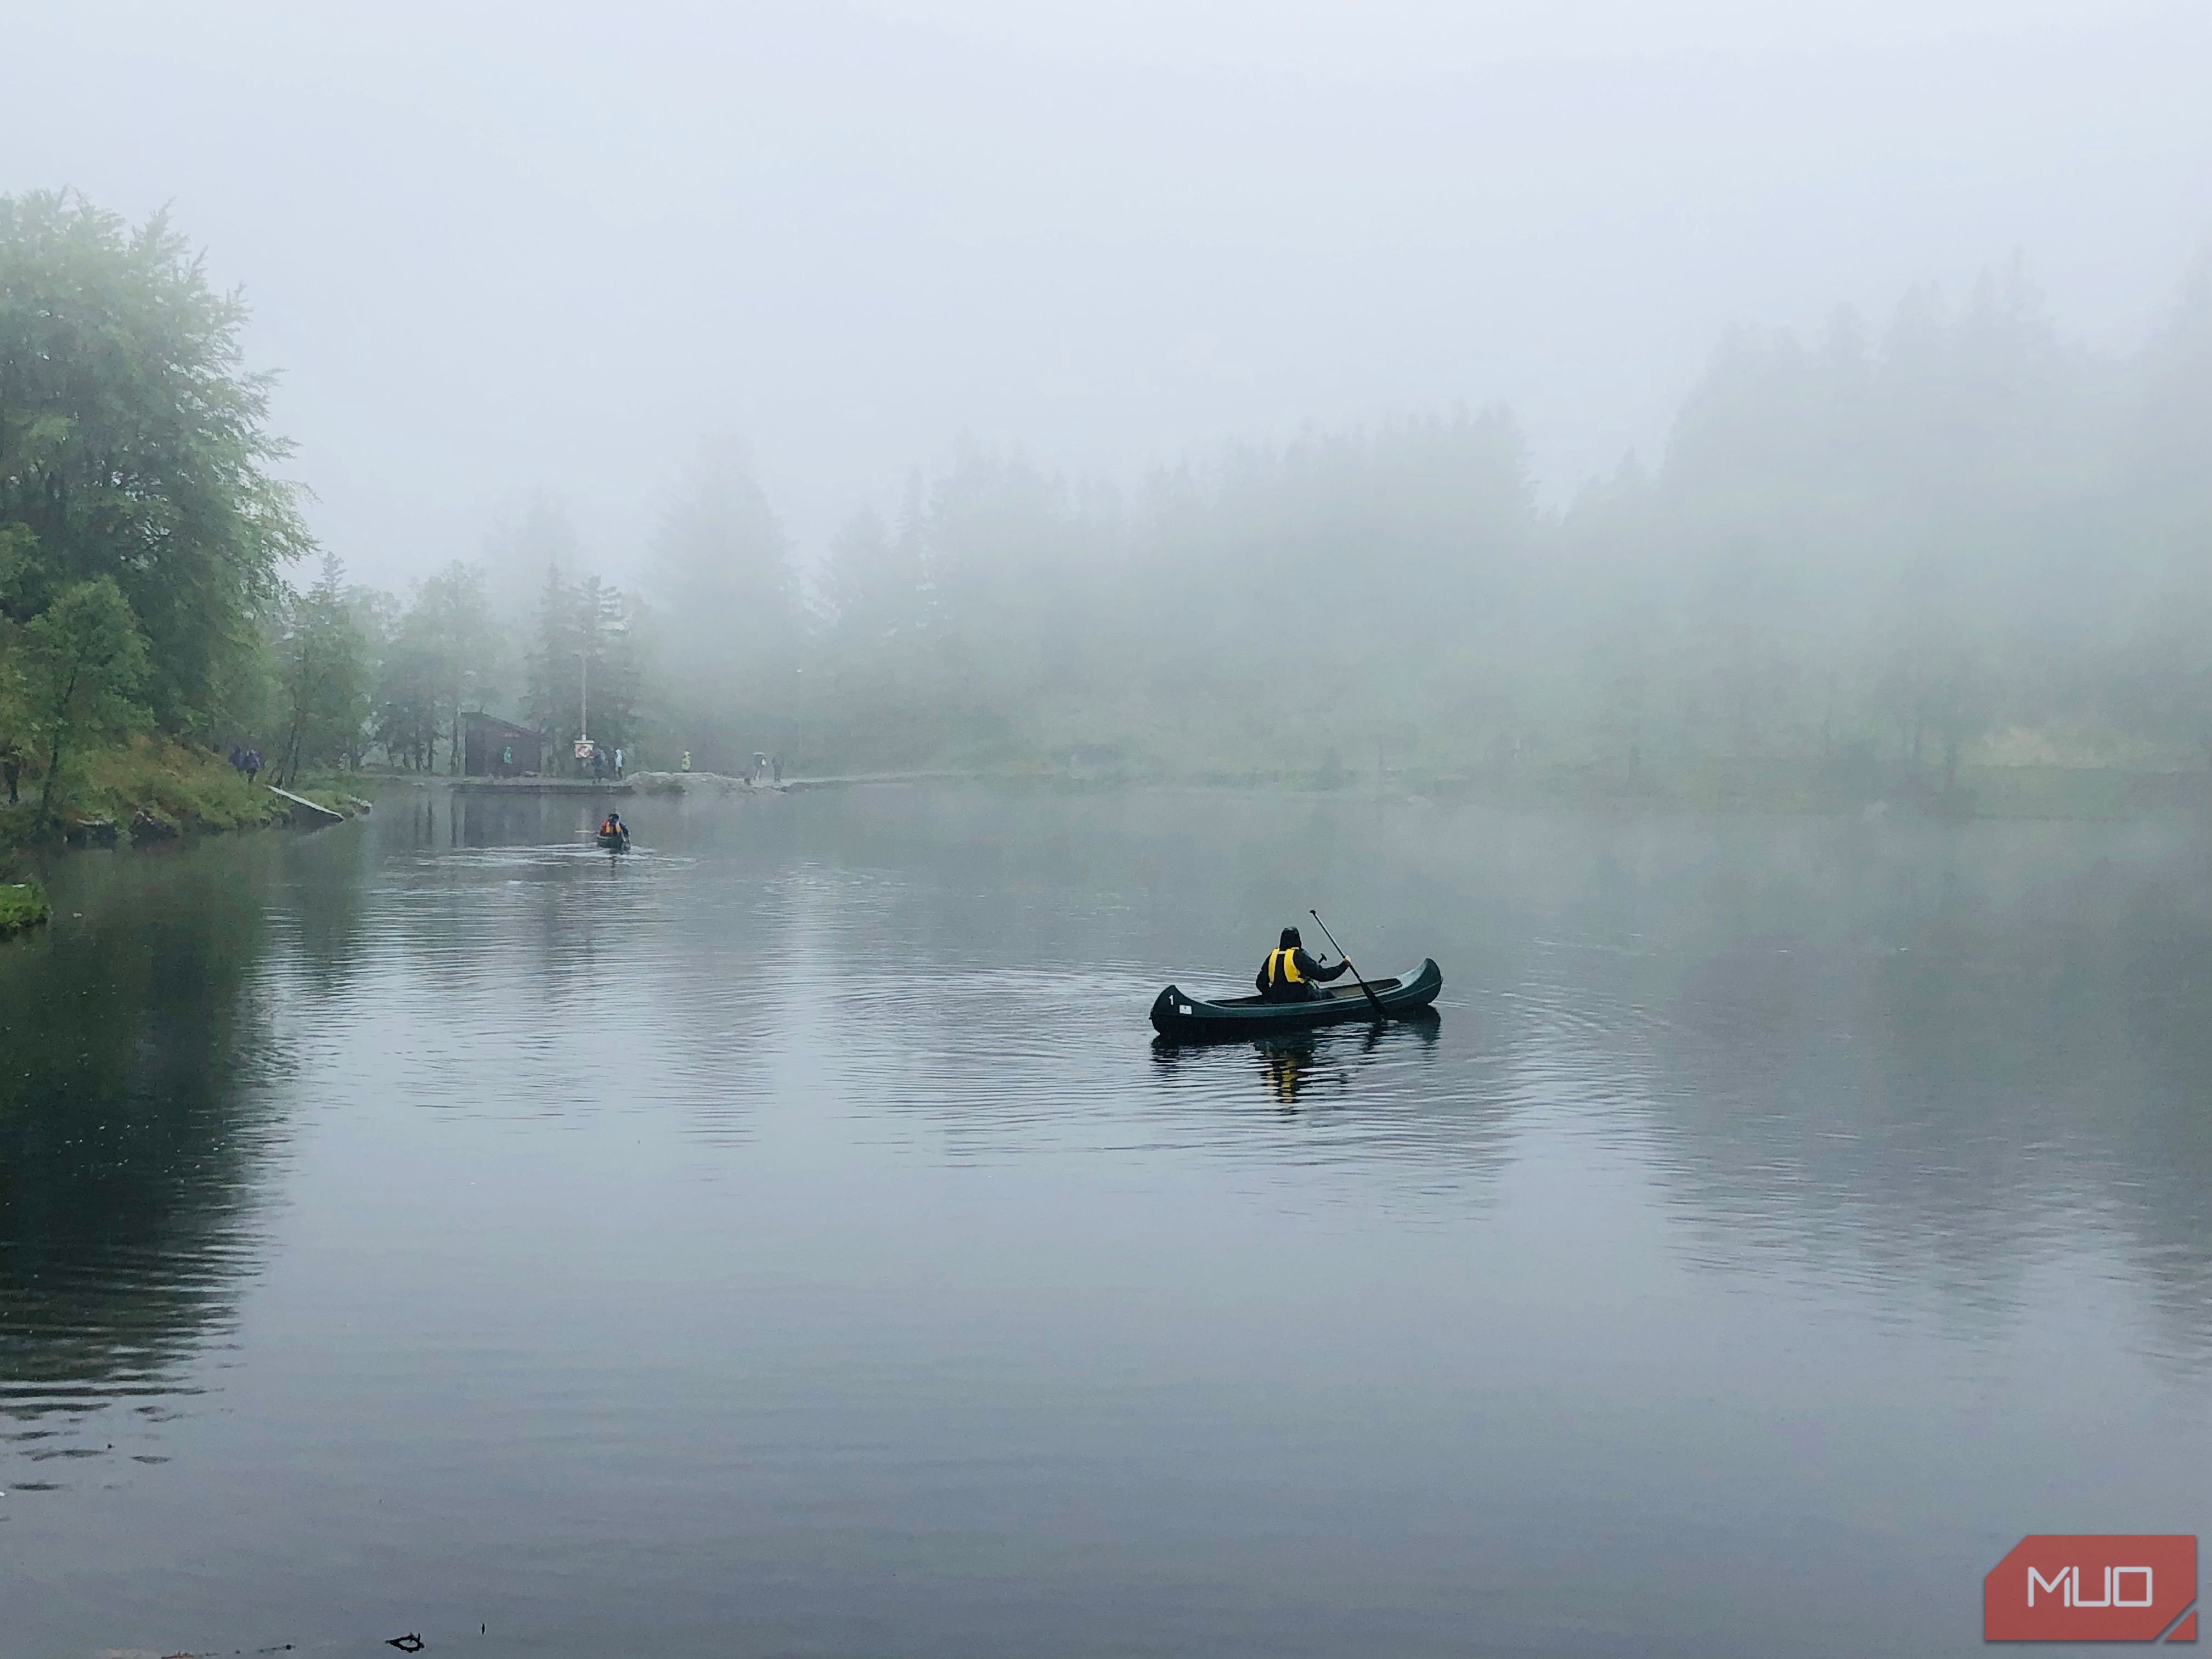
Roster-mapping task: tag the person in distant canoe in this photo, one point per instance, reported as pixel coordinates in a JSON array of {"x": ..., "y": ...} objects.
[
  {"x": 1288, "y": 973},
  {"x": 613, "y": 825}
]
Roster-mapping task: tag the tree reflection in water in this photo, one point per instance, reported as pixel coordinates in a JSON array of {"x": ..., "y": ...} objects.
[{"x": 140, "y": 1033}]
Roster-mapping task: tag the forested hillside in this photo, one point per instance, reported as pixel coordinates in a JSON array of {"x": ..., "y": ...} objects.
[
  {"x": 1950, "y": 537},
  {"x": 1866, "y": 562}
]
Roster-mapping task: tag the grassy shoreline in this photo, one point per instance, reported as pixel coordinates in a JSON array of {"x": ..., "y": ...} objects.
[
  {"x": 23, "y": 905},
  {"x": 157, "y": 789}
]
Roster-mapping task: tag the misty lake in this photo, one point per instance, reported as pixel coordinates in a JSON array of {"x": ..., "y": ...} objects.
[{"x": 788, "y": 1238}]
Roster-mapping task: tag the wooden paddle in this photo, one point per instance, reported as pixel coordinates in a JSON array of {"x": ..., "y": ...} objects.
[{"x": 1374, "y": 1001}]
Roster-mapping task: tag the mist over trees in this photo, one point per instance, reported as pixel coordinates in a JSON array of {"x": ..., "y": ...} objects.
[
  {"x": 134, "y": 446},
  {"x": 1871, "y": 561},
  {"x": 584, "y": 675},
  {"x": 1960, "y": 533},
  {"x": 721, "y": 571},
  {"x": 143, "y": 531},
  {"x": 323, "y": 646},
  {"x": 1889, "y": 551}
]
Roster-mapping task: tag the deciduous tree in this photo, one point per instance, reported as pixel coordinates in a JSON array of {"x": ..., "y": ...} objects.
[{"x": 84, "y": 666}]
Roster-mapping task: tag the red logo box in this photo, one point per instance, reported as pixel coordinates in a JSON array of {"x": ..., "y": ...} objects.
[{"x": 2093, "y": 1587}]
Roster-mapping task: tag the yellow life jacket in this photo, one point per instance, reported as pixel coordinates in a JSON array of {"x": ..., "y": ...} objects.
[{"x": 1283, "y": 968}]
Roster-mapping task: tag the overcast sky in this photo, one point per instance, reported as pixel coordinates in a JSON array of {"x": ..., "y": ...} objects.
[{"x": 500, "y": 248}]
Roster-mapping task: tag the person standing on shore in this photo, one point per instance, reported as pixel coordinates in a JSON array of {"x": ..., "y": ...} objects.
[
  {"x": 252, "y": 764},
  {"x": 11, "y": 769}
]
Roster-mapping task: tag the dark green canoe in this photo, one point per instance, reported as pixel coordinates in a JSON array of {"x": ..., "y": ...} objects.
[
  {"x": 1186, "y": 1019},
  {"x": 617, "y": 843}
]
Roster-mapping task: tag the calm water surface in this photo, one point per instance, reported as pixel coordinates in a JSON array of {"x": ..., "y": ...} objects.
[{"x": 788, "y": 1239}]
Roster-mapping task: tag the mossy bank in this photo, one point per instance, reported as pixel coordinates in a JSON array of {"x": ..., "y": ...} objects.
[
  {"x": 22, "y": 904},
  {"x": 155, "y": 789}
]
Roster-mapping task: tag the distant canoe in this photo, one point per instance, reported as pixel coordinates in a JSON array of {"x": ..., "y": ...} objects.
[
  {"x": 1188, "y": 1018},
  {"x": 617, "y": 843}
]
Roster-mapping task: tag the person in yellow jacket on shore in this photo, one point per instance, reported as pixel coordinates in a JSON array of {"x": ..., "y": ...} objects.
[{"x": 1288, "y": 974}]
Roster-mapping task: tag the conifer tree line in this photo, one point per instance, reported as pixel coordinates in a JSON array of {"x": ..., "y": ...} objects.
[{"x": 1892, "y": 550}]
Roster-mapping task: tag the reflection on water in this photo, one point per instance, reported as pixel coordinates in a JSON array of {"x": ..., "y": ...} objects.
[
  {"x": 132, "y": 1129},
  {"x": 1309, "y": 1066},
  {"x": 1288, "y": 1063},
  {"x": 802, "y": 1198},
  {"x": 1319, "y": 1063}
]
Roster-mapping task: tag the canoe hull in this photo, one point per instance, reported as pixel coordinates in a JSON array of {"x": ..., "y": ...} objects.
[
  {"x": 1185, "y": 1018},
  {"x": 614, "y": 843}
]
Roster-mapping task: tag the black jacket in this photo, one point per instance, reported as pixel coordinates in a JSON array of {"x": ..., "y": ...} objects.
[{"x": 1291, "y": 991}]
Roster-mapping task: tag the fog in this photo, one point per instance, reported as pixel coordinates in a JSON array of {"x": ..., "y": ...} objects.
[
  {"x": 497, "y": 252},
  {"x": 1598, "y": 402},
  {"x": 1689, "y": 520}
]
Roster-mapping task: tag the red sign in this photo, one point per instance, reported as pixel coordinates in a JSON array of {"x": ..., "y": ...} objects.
[{"x": 2093, "y": 1587}]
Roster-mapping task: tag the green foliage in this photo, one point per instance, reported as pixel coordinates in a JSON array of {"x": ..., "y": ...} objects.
[
  {"x": 323, "y": 650},
  {"x": 584, "y": 670},
  {"x": 442, "y": 660},
  {"x": 22, "y": 904},
  {"x": 154, "y": 785},
  {"x": 339, "y": 790},
  {"x": 134, "y": 446},
  {"x": 83, "y": 666},
  {"x": 1863, "y": 568},
  {"x": 583, "y": 666}
]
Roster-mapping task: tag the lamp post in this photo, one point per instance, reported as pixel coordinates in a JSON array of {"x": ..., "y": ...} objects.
[{"x": 597, "y": 631}]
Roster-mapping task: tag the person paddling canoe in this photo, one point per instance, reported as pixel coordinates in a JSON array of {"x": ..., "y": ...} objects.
[{"x": 1288, "y": 974}]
